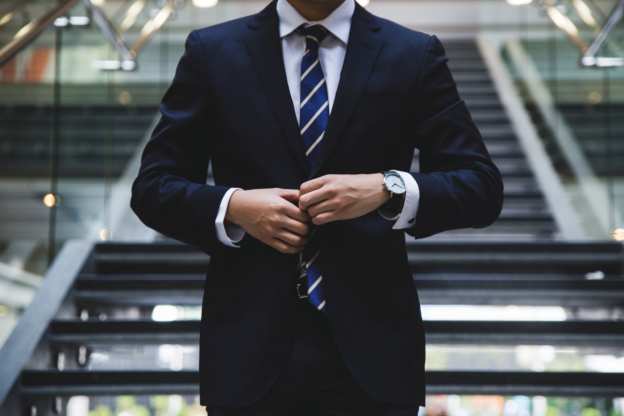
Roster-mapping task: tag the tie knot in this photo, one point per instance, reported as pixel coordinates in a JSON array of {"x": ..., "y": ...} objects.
[{"x": 314, "y": 35}]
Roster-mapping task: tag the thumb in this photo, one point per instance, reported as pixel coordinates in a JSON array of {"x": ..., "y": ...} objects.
[{"x": 291, "y": 195}]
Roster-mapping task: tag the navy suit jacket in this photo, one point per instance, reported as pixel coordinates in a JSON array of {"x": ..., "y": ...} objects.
[{"x": 229, "y": 103}]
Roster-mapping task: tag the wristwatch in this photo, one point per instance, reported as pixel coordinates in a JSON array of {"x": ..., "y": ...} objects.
[{"x": 395, "y": 185}]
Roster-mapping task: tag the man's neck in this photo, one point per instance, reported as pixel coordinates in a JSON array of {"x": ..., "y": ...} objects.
[{"x": 315, "y": 11}]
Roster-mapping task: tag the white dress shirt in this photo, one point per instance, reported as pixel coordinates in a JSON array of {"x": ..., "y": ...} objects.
[{"x": 331, "y": 56}]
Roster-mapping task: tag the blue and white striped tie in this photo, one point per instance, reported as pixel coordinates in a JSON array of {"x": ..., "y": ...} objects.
[{"x": 314, "y": 114}]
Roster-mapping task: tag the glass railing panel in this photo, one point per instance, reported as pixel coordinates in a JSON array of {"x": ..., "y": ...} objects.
[
  {"x": 576, "y": 106},
  {"x": 107, "y": 112},
  {"x": 590, "y": 105}
]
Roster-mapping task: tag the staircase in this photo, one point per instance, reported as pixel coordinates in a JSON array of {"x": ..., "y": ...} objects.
[
  {"x": 100, "y": 326},
  {"x": 525, "y": 214}
]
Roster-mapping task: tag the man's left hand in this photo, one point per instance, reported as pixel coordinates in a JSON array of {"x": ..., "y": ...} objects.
[{"x": 342, "y": 197}]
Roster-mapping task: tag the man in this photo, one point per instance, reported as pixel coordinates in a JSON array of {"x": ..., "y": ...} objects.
[{"x": 310, "y": 112}]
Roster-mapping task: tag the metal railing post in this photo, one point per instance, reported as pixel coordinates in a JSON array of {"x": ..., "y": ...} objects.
[{"x": 110, "y": 32}]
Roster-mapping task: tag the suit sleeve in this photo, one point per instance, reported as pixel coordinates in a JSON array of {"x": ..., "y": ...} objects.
[
  {"x": 170, "y": 193},
  {"x": 460, "y": 187}
]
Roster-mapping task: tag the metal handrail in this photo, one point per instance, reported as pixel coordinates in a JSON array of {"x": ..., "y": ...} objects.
[
  {"x": 565, "y": 24},
  {"x": 588, "y": 52},
  {"x": 24, "y": 338},
  {"x": 589, "y": 57},
  {"x": 547, "y": 178},
  {"x": 110, "y": 32},
  {"x": 29, "y": 32},
  {"x": 127, "y": 54}
]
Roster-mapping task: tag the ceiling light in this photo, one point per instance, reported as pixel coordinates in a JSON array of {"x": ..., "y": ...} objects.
[
  {"x": 618, "y": 234},
  {"x": 519, "y": 2},
  {"x": 79, "y": 20},
  {"x": 107, "y": 65},
  {"x": 105, "y": 235},
  {"x": 61, "y": 22},
  {"x": 205, "y": 3},
  {"x": 164, "y": 313},
  {"x": 363, "y": 3},
  {"x": 51, "y": 200}
]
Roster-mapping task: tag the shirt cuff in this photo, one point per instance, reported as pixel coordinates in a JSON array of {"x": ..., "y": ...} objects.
[
  {"x": 407, "y": 217},
  {"x": 228, "y": 234}
]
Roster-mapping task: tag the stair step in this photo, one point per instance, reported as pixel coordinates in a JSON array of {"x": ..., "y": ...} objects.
[
  {"x": 111, "y": 383},
  {"x": 552, "y": 257},
  {"x": 146, "y": 331}
]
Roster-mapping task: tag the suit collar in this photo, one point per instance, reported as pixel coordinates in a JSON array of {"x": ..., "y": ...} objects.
[
  {"x": 338, "y": 22},
  {"x": 265, "y": 48}
]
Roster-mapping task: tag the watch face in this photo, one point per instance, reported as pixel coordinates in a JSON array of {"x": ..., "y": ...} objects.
[{"x": 395, "y": 183}]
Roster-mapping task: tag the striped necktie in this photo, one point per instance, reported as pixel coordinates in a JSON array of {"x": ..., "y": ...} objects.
[{"x": 314, "y": 114}]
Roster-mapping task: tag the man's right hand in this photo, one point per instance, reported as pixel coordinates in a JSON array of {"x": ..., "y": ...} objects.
[{"x": 272, "y": 216}]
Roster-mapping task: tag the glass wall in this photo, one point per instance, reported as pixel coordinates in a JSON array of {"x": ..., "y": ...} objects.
[{"x": 572, "y": 86}]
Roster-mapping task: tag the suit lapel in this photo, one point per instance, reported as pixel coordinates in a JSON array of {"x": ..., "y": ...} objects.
[
  {"x": 264, "y": 46},
  {"x": 362, "y": 52}
]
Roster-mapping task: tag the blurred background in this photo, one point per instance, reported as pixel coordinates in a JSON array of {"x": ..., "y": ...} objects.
[{"x": 100, "y": 316}]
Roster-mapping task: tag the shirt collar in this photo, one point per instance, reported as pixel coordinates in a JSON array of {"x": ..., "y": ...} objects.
[{"x": 338, "y": 22}]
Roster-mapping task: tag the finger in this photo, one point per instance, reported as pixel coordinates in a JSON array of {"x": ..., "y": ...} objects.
[
  {"x": 314, "y": 197},
  {"x": 292, "y": 239},
  {"x": 295, "y": 213},
  {"x": 324, "y": 206},
  {"x": 291, "y": 195},
  {"x": 283, "y": 247},
  {"x": 296, "y": 227},
  {"x": 324, "y": 218},
  {"x": 312, "y": 185}
]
